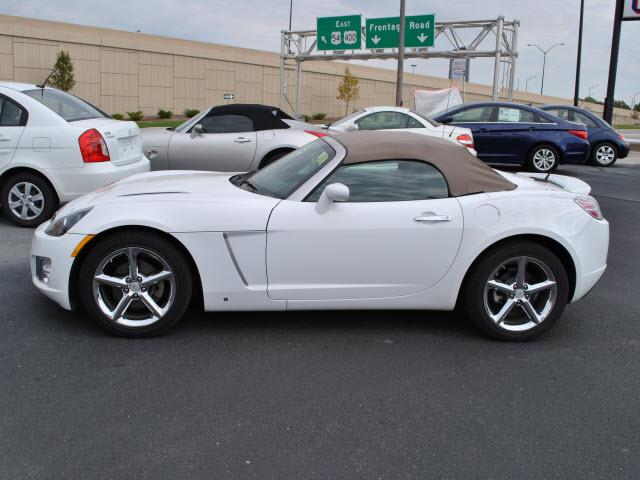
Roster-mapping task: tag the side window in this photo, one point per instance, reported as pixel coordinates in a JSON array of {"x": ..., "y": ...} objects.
[
  {"x": 507, "y": 114},
  {"x": 562, "y": 113},
  {"x": 11, "y": 115},
  {"x": 383, "y": 121},
  {"x": 227, "y": 124},
  {"x": 413, "y": 123},
  {"x": 475, "y": 114},
  {"x": 387, "y": 181},
  {"x": 584, "y": 119}
]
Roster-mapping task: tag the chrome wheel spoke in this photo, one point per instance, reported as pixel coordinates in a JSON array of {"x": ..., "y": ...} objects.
[
  {"x": 522, "y": 269},
  {"x": 540, "y": 287},
  {"x": 503, "y": 287},
  {"x": 531, "y": 312},
  {"x": 151, "y": 304},
  {"x": 37, "y": 197},
  {"x": 121, "y": 308},
  {"x": 132, "y": 256},
  {"x": 24, "y": 212},
  {"x": 155, "y": 278},
  {"x": 504, "y": 311},
  {"x": 111, "y": 281},
  {"x": 14, "y": 191},
  {"x": 15, "y": 204}
]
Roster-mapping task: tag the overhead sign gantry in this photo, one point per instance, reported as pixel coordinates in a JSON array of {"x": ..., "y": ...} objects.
[{"x": 341, "y": 38}]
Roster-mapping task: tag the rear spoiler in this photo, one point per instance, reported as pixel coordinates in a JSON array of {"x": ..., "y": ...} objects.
[{"x": 570, "y": 184}]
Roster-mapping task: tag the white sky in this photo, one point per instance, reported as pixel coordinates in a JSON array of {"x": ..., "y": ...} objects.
[{"x": 257, "y": 24}]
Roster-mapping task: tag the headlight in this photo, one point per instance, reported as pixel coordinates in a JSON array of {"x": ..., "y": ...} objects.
[{"x": 60, "y": 226}]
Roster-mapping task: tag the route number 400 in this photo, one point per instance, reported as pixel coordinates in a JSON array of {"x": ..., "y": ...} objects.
[{"x": 349, "y": 37}]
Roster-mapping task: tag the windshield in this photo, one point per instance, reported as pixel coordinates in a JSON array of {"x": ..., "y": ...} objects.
[
  {"x": 348, "y": 117},
  {"x": 68, "y": 106},
  {"x": 284, "y": 176},
  {"x": 429, "y": 120}
]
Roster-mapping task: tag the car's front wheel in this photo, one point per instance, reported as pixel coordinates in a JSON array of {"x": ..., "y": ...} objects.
[
  {"x": 604, "y": 155},
  {"x": 135, "y": 284},
  {"x": 516, "y": 292},
  {"x": 543, "y": 159},
  {"x": 28, "y": 199}
]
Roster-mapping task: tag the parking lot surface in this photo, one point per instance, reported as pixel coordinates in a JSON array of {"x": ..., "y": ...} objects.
[{"x": 328, "y": 394}]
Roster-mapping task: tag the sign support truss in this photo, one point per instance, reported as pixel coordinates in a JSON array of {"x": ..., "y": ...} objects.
[{"x": 300, "y": 46}]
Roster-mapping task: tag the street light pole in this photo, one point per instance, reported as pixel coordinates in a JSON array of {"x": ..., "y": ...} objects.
[
  {"x": 576, "y": 93},
  {"x": 544, "y": 59},
  {"x": 399, "y": 80},
  {"x": 526, "y": 83},
  {"x": 592, "y": 87},
  {"x": 633, "y": 102}
]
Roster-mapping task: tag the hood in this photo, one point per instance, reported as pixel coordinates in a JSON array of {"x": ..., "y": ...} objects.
[{"x": 540, "y": 182}]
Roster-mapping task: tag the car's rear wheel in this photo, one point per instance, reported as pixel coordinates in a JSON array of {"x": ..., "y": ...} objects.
[
  {"x": 543, "y": 159},
  {"x": 28, "y": 199},
  {"x": 604, "y": 155},
  {"x": 135, "y": 284},
  {"x": 516, "y": 292}
]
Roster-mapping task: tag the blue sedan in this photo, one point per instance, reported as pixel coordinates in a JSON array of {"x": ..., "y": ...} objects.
[
  {"x": 607, "y": 145},
  {"x": 518, "y": 134}
]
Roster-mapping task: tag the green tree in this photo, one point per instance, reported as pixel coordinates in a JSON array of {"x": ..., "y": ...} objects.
[
  {"x": 348, "y": 90},
  {"x": 592, "y": 100},
  {"x": 62, "y": 77},
  {"x": 621, "y": 104}
]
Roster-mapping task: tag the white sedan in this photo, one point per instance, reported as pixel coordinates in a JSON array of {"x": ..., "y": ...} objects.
[
  {"x": 55, "y": 147},
  {"x": 402, "y": 119},
  {"x": 365, "y": 220}
]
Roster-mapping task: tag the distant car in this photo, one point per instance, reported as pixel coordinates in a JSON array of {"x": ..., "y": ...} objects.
[
  {"x": 398, "y": 118},
  {"x": 607, "y": 145},
  {"x": 518, "y": 134},
  {"x": 227, "y": 138},
  {"x": 55, "y": 147}
]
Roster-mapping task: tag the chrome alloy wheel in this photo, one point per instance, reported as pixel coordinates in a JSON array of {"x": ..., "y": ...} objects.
[
  {"x": 605, "y": 154},
  {"x": 520, "y": 293},
  {"x": 134, "y": 287},
  {"x": 26, "y": 201},
  {"x": 544, "y": 159}
]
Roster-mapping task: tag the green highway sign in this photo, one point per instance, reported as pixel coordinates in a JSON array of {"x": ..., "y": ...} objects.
[
  {"x": 339, "y": 33},
  {"x": 419, "y": 31}
]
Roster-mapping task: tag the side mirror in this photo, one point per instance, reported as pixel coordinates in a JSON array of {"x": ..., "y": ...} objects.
[
  {"x": 446, "y": 120},
  {"x": 335, "y": 192},
  {"x": 197, "y": 129},
  {"x": 352, "y": 128}
]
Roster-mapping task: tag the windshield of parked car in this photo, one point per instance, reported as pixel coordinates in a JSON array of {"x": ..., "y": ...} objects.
[
  {"x": 429, "y": 120},
  {"x": 68, "y": 106},
  {"x": 281, "y": 178},
  {"x": 348, "y": 118}
]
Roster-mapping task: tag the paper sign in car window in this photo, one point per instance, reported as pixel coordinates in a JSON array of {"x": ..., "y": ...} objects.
[
  {"x": 509, "y": 115},
  {"x": 322, "y": 158}
]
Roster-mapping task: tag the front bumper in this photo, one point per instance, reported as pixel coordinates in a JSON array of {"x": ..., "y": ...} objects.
[{"x": 58, "y": 250}]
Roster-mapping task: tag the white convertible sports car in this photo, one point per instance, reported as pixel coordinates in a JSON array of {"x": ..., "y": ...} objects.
[{"x": 363, "y": 220}]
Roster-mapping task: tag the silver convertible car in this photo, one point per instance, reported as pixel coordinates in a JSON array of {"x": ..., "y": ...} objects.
[{"x": 227, "y": 138}]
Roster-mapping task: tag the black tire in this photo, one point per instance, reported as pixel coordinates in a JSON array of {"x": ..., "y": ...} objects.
[
  {"x": 148, "y": 242},
  {"x": 272, "y": 157},
  {"x": 13, "y": 189},
  {"x": 543, "y": 150},
  {"x": 604, "y": 154},
  {"x": 473, "y": 295}
]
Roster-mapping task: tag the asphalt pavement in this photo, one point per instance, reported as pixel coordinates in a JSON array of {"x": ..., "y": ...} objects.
[{"x": 299, "y": 395}]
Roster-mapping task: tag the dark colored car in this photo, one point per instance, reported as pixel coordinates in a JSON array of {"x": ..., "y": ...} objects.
[
  {"x": 519, "y": 134},
  {"x": 607, "y": 145}
]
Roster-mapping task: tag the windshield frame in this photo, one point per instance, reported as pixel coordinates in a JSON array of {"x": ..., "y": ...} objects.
[{"x": 33, "y": 92}]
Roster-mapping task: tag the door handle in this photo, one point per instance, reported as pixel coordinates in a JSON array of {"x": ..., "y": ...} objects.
[
  {"x": 432, "y": 218},
  {"x": 242, "y": 140},
  {"x": 4, "y": 139}
]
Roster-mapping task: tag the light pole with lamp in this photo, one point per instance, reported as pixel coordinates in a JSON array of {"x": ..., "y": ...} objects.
[
  {"x": 633, "y": 104},
  {"x": 526, "y": 83},
  {"x": 544, "y": 59}
]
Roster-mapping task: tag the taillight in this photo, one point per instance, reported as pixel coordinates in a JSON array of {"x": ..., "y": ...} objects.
[
  {"x": 93, "y": 147},
  {"x": 465, "y": 139},
  {"x": 316, "y": 133},
  {"x": 580, "y": 134},
  {"x": 590, "y": 205},
  {"x": 622, "y": 138}
]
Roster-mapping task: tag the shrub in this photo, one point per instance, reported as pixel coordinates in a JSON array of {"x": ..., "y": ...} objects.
[
  {"x": 306, "y": 118},
  {"x": 191, "y": 112},
  {"x": 135, "y": 116},
  {"x": 118, "y": 116},
  {"x": 164, "y": 113},
  {"x": 318, "y": 116}
]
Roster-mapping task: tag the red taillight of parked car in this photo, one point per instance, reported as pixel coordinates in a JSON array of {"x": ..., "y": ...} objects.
[
  {"x": 316, "y": 133},
  {"x": 93, "y": 147},
  {"x": 580, "y": 134},
  {"x": 466, "y": 140}
]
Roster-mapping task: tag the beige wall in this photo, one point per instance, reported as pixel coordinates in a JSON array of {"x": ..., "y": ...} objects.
[{"x": 125, "y": 71}]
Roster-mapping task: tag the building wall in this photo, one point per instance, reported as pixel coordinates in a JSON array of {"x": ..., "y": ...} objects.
[{"x": 125, "y": 71}]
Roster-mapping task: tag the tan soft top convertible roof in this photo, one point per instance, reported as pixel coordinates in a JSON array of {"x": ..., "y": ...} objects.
[{"x": 465, "y": 174}]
